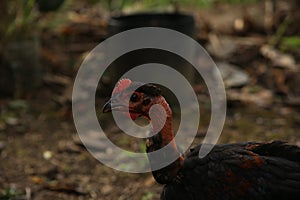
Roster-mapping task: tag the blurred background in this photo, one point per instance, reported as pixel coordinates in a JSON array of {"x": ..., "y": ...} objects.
[{"x": 256, "y": 45}]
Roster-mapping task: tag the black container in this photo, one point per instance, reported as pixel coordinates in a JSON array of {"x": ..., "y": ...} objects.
[
  {"x": 176, "y": 21},
  {"x": 183, "y": 23},
  {"x": 49, "y": 5}
]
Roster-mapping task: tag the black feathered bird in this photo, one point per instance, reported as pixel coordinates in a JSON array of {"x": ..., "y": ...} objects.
[{"x": 231, "y": 171}]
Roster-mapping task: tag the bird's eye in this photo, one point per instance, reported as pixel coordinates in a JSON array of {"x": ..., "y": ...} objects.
[
  {"x": 134, "y": 98},
  {"x": 146, "y": 102}
]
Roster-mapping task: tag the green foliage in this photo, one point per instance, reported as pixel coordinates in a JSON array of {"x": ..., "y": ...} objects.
[
  {"x": 290, "y": 43},
  {"x": 127, "y": 166},
  {"x": 209, "y": 3},
  {"x": 19, "y": 105},
  {"x": 148, "y": 196},
  {"x": 236, "y": 1},
  {"x": 154, "y": 4},
  {"x": 10, "y": 193},
  {"x": 281, "y": 29},
  {"x": 17, "y": 19}
]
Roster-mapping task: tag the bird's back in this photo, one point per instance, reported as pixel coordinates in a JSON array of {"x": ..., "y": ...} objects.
[{"x": 239, "y": 171}]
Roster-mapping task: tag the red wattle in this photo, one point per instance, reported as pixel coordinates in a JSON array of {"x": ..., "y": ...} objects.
[{"x": 133, "y": 116}]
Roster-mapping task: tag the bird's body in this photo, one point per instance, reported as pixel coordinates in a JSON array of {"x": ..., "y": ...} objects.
[
  {"x": 228, "y": 172},
  {"x": 238, "y": 171}
]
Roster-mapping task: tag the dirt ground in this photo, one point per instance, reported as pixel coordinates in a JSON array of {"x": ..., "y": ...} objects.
[{"x": 41, "y": 157}]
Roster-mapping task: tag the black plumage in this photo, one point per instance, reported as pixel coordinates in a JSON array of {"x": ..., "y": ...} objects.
[{"x": 238, "y": 171}]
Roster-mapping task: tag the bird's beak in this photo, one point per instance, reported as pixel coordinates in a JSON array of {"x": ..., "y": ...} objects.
[
  {"x": 107, "y": 107},
  {"x": 114, "y": 104}
]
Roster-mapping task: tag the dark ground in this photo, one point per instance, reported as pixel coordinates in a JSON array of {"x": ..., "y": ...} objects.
[{"x": 42, "y": 158}]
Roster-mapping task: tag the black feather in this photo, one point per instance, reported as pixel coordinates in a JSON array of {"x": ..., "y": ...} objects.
[
  {"x": 239, "y": 171},
  {"x": 149, "y": 89}
]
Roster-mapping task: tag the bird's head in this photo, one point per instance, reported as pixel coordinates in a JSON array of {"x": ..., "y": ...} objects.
[{"x": 141, "y": 97}]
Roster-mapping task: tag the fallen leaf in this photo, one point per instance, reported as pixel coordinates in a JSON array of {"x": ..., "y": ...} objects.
[{"x": 106, "y": 189}]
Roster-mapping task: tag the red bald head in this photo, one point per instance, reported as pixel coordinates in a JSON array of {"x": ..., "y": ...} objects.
[{"x": 140, "y": 100}]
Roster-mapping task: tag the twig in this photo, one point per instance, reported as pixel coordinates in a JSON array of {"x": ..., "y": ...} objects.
[{"x": 275, "y": 40}]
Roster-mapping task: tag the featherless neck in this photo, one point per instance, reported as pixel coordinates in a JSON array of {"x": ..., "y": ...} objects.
[
  {"x": 164, "y": 136},
  {"x": 162, "y": 121}
]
